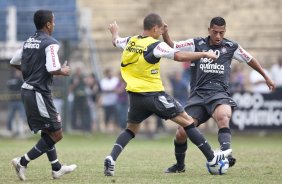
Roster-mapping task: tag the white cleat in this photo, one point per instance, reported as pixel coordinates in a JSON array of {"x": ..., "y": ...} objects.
[
  {"x": 109, "y": 166},
  {"x": 20, "y": 170},
  {"x": 65, "y": 169},
  {"x": 219, "y": 155}
]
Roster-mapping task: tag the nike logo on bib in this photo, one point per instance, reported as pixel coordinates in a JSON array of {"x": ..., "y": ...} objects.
[{"x": 124, "y": 65}]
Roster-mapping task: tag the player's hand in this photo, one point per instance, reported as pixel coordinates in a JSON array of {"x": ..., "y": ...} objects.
[
  {"x": 271, "y": 85},
  {"x": 211, "y": 55},
  {"x": 113, "y": 27},
  {"x": 65, "y": 69},
  {"x": 165, "y": 31}
]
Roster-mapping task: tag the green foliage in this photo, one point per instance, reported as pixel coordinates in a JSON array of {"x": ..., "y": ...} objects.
[{"x": 143, "y": 161}]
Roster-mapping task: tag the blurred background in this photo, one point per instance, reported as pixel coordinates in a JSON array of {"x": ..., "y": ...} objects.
[{"x": 93, "y": 99}]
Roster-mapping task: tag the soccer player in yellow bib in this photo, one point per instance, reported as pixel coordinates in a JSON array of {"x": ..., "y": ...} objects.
[{"x": 140, "y": 68}]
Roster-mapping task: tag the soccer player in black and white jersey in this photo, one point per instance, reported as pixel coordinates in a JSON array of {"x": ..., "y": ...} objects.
[
  {"x": 38, "y": 60},
  {"x": 140, "y": 68},
  {"x": 210, "y": 95}
]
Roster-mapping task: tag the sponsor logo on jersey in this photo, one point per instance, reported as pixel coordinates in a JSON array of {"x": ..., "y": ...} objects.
[
  {"x": 53, "y": 56},
  {"x": 208, "y": 66},
  {"x": 155, "y": 71},
  {"x": 33, "y": 40},
  {"x": 212, "y": 68},
  {"x": 185, "y": 44},
  {"x": 31, "y": 46},
  {"x": 32, "y": 43},
  {"x": 162, "y": 49},
  {"x": 121, "y": 41},
  {"x": 131, "y": 47},
  {"x": 244, "y": 54}
]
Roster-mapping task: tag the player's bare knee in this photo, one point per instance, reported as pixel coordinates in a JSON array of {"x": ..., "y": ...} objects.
[
  {"x": 134, "y": 128},
  {"x": 60, "y": 137},
  {"x": 223, "y": 120},
  {"x": 57, "y": 136},
  {"x": 180, "y": 135}
]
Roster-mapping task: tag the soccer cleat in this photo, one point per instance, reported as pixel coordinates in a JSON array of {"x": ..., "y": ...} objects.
[
  {"x": 65, "y": 169},
  {"x": 175, "y": 169},
  {"x": 219, "y": 155},
  {"x": 109, "y": 166},
  {"x": 231, "y": 160},
  {"x": 20, "y": 170}
]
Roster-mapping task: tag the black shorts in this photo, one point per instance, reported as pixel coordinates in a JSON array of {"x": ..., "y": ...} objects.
[
  {"x": 40, "y": 111},
  {"x": 202, "y": 108},
  {"x": 144, "y": 105}
]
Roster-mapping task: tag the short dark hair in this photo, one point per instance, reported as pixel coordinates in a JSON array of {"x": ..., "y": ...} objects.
[
  {"x": 152, "y": 20},
  {"x": 41, "y": 17},
  {"x": 219, "y": 21}
]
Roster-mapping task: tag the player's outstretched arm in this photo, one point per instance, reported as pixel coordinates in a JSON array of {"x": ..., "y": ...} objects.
[
  {"x": 183, "y": 56},
  {"x": 163, "y": 50},
  {"x": 256, "y": 66},
  {"x": 113, "y": 28}
]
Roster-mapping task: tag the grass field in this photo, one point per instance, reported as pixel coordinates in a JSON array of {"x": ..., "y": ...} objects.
[{"x": 143, "y": 161}]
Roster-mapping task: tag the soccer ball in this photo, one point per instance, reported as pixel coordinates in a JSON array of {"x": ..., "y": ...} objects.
[{"x": 220, "y": 168}]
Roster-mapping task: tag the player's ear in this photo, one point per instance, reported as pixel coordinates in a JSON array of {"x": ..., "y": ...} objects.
[
  {"x": 155, "y": 28},
  {"x": 48, "y": 25}
]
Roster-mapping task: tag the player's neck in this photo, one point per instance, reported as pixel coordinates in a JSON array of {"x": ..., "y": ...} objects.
[{"x": 148, "y": 33}]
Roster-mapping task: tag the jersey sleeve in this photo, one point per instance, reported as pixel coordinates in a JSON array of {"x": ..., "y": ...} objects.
[
  {"x": 186, "y": 45},
  {"x": 52, "y": 59},
  {"x": 17, "y": 58},
  {"x": 241, "y": 55},
  {"x": 121, "y": 42},
  {"x": 163, "y": 50}
]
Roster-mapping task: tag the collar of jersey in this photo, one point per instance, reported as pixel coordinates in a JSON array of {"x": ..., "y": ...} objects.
[{"x": 221, "y": 44}]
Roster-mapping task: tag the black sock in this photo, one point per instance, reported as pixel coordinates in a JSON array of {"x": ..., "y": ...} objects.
[
  {"x": 42, "y": 146},
  {"x": 53, "y": 159},
  {"x": 52, "y": 156},
  {"x": 121, "y": 142},
  {"x": 224, "y": 138},
  {"x": 180, "y": 150},
  {"x": 198, "y": 139},
  {"x": 24, "y": 160}
]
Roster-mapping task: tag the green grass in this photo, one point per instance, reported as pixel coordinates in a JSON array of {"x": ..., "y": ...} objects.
[{"x": 143, "y": 161}]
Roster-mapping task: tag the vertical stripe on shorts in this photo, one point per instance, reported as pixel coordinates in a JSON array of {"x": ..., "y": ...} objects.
[{"x": 41, "y": 106}]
